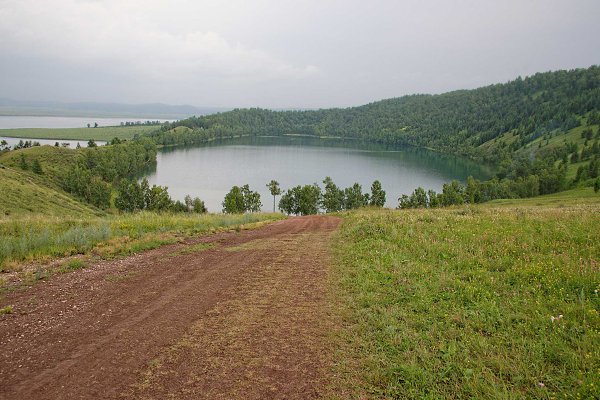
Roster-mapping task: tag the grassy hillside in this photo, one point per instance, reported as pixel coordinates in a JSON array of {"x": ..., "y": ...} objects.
[
  {"x": 103, "y": 133},
  {"x": 55, "y": 161},
  {"x": 27, "y": 194},
  {"x": 488, "y": 301}
]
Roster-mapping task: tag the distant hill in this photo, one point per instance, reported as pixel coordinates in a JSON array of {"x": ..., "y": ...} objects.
[
  {"x": 488, "y": 123},
  {"x": 93, "y": 109}
]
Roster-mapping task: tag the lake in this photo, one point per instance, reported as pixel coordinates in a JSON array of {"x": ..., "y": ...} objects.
[{"x": 210, "y": 170}]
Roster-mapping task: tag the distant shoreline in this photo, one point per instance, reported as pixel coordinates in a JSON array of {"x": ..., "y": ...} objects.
[{"x": 91, "y": 114}]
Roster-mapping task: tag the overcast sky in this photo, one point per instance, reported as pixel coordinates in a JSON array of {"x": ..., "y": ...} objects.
[{"x": 278, "y": 53}]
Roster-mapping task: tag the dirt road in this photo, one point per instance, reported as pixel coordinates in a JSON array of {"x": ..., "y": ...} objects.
[{"x": 229, "y": 316}]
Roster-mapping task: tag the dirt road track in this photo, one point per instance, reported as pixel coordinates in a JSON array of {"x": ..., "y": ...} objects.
[{"x": 245, "y": 318}]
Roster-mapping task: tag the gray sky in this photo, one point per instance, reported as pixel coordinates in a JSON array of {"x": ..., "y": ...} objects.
[{"x": 279, "y": 53}]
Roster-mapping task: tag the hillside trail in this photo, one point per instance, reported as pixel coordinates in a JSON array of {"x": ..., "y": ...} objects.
[{"x": 235, "y": 315}]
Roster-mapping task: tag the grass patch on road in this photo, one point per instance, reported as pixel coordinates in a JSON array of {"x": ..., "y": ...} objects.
[
  {"x": 194, "y": 248},
  {"x": 474, "y": 302}
]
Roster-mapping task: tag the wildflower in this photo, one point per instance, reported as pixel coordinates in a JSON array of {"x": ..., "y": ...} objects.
[
  {"x": 541, "y": 384},
  {"x": 553, "y": 318}
]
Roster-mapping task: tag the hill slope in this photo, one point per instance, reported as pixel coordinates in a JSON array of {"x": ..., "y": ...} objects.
[{"x": 23, "y": 194}]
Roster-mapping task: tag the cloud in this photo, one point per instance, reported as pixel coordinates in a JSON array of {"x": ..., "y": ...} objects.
[{"x": 120, "y": 36}]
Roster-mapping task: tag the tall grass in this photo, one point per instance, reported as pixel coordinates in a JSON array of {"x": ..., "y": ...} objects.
[
  {"x": 478, "y": 302},
  {"x": 37, "y": 237}
]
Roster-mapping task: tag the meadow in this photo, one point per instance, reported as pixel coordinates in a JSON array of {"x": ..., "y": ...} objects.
[
  {"x": 102, "y": 133},
  {"x": 40, "y": 239},
  {"x": 495, "y": 301}
]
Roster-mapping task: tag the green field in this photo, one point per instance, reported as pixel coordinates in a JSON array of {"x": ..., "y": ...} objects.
[
  {"x": 496, "y": 301},
  {"x": 102, "y": 133}
]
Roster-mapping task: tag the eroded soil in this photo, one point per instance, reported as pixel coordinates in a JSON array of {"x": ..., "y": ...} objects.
[{"x": 244, "y": 317}]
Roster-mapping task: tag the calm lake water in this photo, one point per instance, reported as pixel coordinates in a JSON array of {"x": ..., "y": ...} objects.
[{"x": 209, "y": 171}]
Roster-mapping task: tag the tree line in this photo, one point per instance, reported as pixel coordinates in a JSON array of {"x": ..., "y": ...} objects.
[
  {"x": 305, "y": 200},
  {"x": 137, "y": 196}
]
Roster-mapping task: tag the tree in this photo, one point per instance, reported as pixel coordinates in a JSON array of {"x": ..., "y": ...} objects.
[
  {"x": 157, "y": 198},
  {"x": 333, "y": 197},
  {"x": 88, "y": 125},
  {"x": 198, "y": 206},
  {"x": 194, "y": 205},
  {"x": 23, "y": 163},
  {"x": 274, "y": 189},
  {"x": 37, "y": 167},
  {"x": 377, "y": 195},
  {"x": 452, "y": 194},
  {"x": 289, "y": 201},
  {"x": 597, "y": 185},
  {"x": 575, "y": 157},
  {"x": 91, "y": 143},
  {"x": 188, "y": 202},
  {"x": 301, "y": 200},
  {"x": 98, "y": 192},
  {"x": 310, "y": 198},
  {"x": 234, "y": 201},
  {"x": 419, "y": 198},
  {"x": 95, "y": 124},
  {"x": 130, "y": 196},
  {"x": 404, "y": 202},
  {"x": 252, "y": 201},
  {"x": 472, "y": 194},
  {"x": 432, "y": 199},
  {"x": 179, "y": 207},
  {"x": 354, "y": 198}
]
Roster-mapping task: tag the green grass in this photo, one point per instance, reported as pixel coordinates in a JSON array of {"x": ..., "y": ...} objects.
[
  {"x": 458, "y": 302},
  {"x": 72, "y": 265},
  {"x": 103, "y": 133},
  {"x": 55, "y": 161},
  {"x": 195, "y": 248},
  {"x": 6, "y": 310},
  {"x": 39, "y": 238},
  {"x": 578, "y": 196},
  {"x": 25, "y": 193}
]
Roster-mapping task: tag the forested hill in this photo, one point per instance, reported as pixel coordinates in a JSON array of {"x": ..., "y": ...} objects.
[{"x": 464, "y": 122}]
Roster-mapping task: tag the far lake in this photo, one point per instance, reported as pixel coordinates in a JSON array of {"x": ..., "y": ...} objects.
[
  {"x": 28, "y": 121},
  {"x": 209, "y": 171}
]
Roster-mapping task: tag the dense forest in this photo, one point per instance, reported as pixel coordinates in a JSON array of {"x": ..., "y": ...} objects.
[{"x": 454, "y": 122}]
